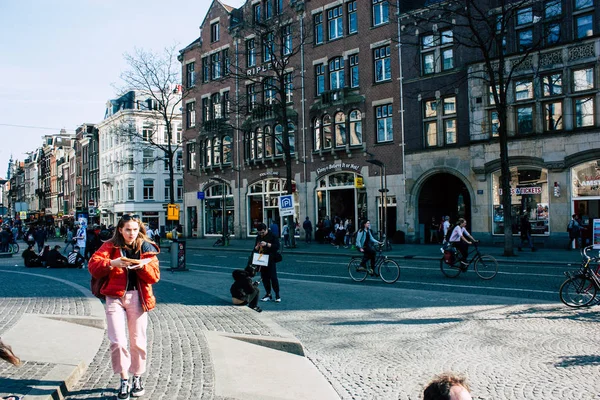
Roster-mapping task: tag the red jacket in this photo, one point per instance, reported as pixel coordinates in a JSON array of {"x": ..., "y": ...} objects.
[{"x": 99, "y": 266}]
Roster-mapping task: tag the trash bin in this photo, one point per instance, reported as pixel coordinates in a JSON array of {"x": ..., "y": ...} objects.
[{"x": 178, "y": 255}]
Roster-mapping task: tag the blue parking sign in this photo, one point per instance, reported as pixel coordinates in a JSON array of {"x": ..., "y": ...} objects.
[{"x": 286, "y": 205}]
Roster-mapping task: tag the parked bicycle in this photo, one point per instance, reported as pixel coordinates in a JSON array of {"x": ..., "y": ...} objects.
[
  {"x": 13, "y": 247},
  {"x": 581, "y": 287},
  {"x": 388, "y": 270},
  {"x": 222, "y": 241},
  {"x": 485, "y": 266}
]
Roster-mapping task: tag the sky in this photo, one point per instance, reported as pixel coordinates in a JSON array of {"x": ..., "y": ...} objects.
[{"x": 61, "y": 60}]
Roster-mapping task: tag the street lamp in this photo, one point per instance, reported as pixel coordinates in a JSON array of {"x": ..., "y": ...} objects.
[
  {"x": 383, "y": 190},
  {"x": 223, "y": 210}
]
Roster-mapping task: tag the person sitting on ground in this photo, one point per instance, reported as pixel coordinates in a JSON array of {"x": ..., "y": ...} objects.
[
  {"x": 243, "y": 290},
  {"x": 447, "y": 386},
  {"x": 31, "y": 258},
  {"x": 7, "y": 354},
  {"x": 44, "y": 254},
  {"x": 56, "y": 260},
  {"x": 459, "y": 240},
  {"x": 75, "y": 259}
]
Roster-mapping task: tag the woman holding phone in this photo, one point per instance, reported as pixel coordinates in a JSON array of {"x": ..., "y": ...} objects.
[{"x": 129, "y": 260}]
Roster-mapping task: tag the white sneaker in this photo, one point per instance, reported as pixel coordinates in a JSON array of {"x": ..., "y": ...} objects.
[
  {"x": 267, "y": 298},
  {"x": 278, "y": 300}
]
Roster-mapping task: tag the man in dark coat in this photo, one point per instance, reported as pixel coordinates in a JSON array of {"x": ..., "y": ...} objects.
[{"x": 267, "y": 243}]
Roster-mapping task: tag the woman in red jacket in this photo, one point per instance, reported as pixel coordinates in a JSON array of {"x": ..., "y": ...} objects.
[{"x": 129, "y": 260}]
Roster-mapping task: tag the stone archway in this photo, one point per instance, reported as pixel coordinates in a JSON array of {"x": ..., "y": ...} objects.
[{"x": 442, "y": 194}]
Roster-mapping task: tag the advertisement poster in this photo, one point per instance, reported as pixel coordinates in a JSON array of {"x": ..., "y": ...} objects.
[{"x": 596, "y": 234}]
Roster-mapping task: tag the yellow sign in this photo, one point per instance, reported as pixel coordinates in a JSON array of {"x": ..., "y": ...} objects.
[
  {"x": 358, "y": 182},
  {"x": 173, "y": 212}
]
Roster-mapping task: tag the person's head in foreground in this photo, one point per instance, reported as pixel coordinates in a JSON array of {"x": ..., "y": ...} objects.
[{"x": 447, "y": 386}]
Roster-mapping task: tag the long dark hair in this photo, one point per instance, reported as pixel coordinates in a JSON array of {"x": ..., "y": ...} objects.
[
  {"x": 362, "y": 225},
  {"x": 117, "y": 239}
]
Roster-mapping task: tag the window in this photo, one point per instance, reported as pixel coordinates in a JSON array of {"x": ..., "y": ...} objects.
[
  {"x": 289, "y": 88},
  {"x": 447, "y": 59},
  {"x": 268, "y": 47},
  {"x": 148, "y": 159},
  {"x": 552, "y": 8},
  {"x": 428, "y": 63},
  {"x": 215, "y": 65},
  {"x": 214, "y": 32},
  {"x": 317, "y": 134},
  {"x": 340, "y": 129},
  {"x": 208, "y": 152},
  {"x": 449, "y": 119},
  {"x": 335, "y": 23},
  {"x": 524, "y": 16},
  {"x": 336, "y": 73},
  {"x": 278, "y": 6},
  {"x": 225, "y": 104},
  {"x": 494, "y": 123},
  {"x": 320, "y": 78},
  {"x": 381, "y": 12},
  {"x": 428, "y": 54},
  {"x": 383, "y": 69},
  {"x": 190, "y": 112},
  {"x": 355, "y": 128},
  {"x": 430, "y": 122},
  {"x": 383, "y": 114},
  {"x": 148, "y": 189},
  {"x": 583, "y": 79},
  {"x": 354, "y": 71},
  {"x": 584, "y": 112},
  {"x": 130, "y": 162},
  {"x": 206, "y": 115},
  {"x": 524, "y": 120},
  {"x": 131, "y": 191},
  {"x": 581, "y": 4},
  {"x": 215, "y": 102},
  {"x": 216, "y": 151},
  {"x": 250, "y": 53},
  {"x": 552, "y": 33},
  {"x": 191, "y": 156},
  {"x": 190, "y": 75},
  {"x": 256, "y": 13},
  {"x": 259, "y": 143},
  {"x": 327, "y": 138},
  {"x": 147, "y": 132},
  {"x": 292, "y": 137},
  {"x": 287, "y": 40},
  {"x": 525, "y": 39},
  {"x": 227, "y": 147},
  {"x": 179, "y": 189},
  {"x": 268, "y": 9},
  {"x": 205, "y": 69},
  {"x": 268, "y": 141},
  {"x": 167, "y": 190},
  {"x": 552, "y": 84},
  {"x": 584, "y": 26},
  {"x": 226, "y": 62},
  {"x": 251, "y": 96},
  {"x": 523, "y": 90},
  {"x": 553, "y": 120},
  {"x": 278, "y": 140},
  {"x": 352, "y": 18},
  {"x": 318, "y": 26},
  {"x": 269, "y": 91}
]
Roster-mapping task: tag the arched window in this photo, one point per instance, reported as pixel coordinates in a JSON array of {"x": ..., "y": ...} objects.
[
  {"x": 268, "y": 141},
  {"x": 317, "y": 133},
  {"x": 292, "y": 137},
  {"x": 355, "y": 128},
  {"x": 227, "y": 150},
  {"x": 251, "y": 145},
  {"x": 208, "y": 143},
  {"x": 217, "y": 150},
  {"x": 327, "y": 131},
  {"x": 340, "y": 129},
  {"x": 278, "y": 140},
  {"x": 259, "y": 143}
]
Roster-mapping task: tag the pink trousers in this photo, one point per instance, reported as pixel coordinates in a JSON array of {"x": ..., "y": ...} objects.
[{"x": 122, "y": 313}]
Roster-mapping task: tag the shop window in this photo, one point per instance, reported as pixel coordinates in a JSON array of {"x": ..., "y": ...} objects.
[
  {"x": 529, "y": 199},
  {"x": 219, "y": 210}
]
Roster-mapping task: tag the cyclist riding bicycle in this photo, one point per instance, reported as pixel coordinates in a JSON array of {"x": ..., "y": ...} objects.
[
  {"x": 459, "y": 240},
  {"x": 365, "y": 243}
]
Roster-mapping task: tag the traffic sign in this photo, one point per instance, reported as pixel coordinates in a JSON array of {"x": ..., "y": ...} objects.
[
  {"x": 200, "y": 195},
  {"x": 286, "y": 205}
]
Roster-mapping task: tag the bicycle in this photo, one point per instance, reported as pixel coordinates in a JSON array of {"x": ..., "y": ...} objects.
[
  {"x": 581, "y": 287},
  {"x": 485, "y": 266},
  {"x": 13, "y": 247},
  {"x": 222, "y": 241},
  {"x": 388, "y": 270}
]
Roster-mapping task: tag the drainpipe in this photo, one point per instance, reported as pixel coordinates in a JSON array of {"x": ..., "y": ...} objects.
[{"x": 402, "y": 142}]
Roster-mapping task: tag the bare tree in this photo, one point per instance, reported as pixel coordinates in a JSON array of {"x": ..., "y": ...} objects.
[
  {"x": 481, "y": 29},
  {"x": 269, "y": 63},
  {"x": 156, "y": 76}
]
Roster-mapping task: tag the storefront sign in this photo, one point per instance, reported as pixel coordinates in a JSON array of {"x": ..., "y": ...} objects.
[
  {"x": 269, "y": 173},
  {"x": 338, "y": 167},
  {"x": 586, "y": 179},
  {"x": 524, "y": 190},
  {"x": 596, "y": 233}
]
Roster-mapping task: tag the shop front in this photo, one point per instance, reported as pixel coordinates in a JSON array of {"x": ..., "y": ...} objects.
[
  {"x": 263, "y": 203},
  {"x": 529, "y": 198},
  {"x": 586, "y": 195},
  {"x": 337, "y": 195},
  {"x": 219, "y": 213}
]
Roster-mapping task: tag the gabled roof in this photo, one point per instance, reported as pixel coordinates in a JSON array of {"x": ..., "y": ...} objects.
[{"x": 228, "y": 9}]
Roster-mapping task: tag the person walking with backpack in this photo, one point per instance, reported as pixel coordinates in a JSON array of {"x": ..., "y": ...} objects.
[{"x": 574, "y": 229}]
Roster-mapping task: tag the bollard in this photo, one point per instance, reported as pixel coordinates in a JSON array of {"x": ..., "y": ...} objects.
[{"x": 178, "y": 256}]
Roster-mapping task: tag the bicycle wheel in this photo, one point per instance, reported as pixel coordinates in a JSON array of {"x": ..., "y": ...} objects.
[
  {"x": 450, "y": 270},
  {"x": 353, "y": 270},
  {"x": 486, "y": 267},
  {"x": 219, "y": 242},
  {"x": 14, "y": 248},
  {"x": 578, "y": 291},
  {"x": 389, "y": 271}
]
